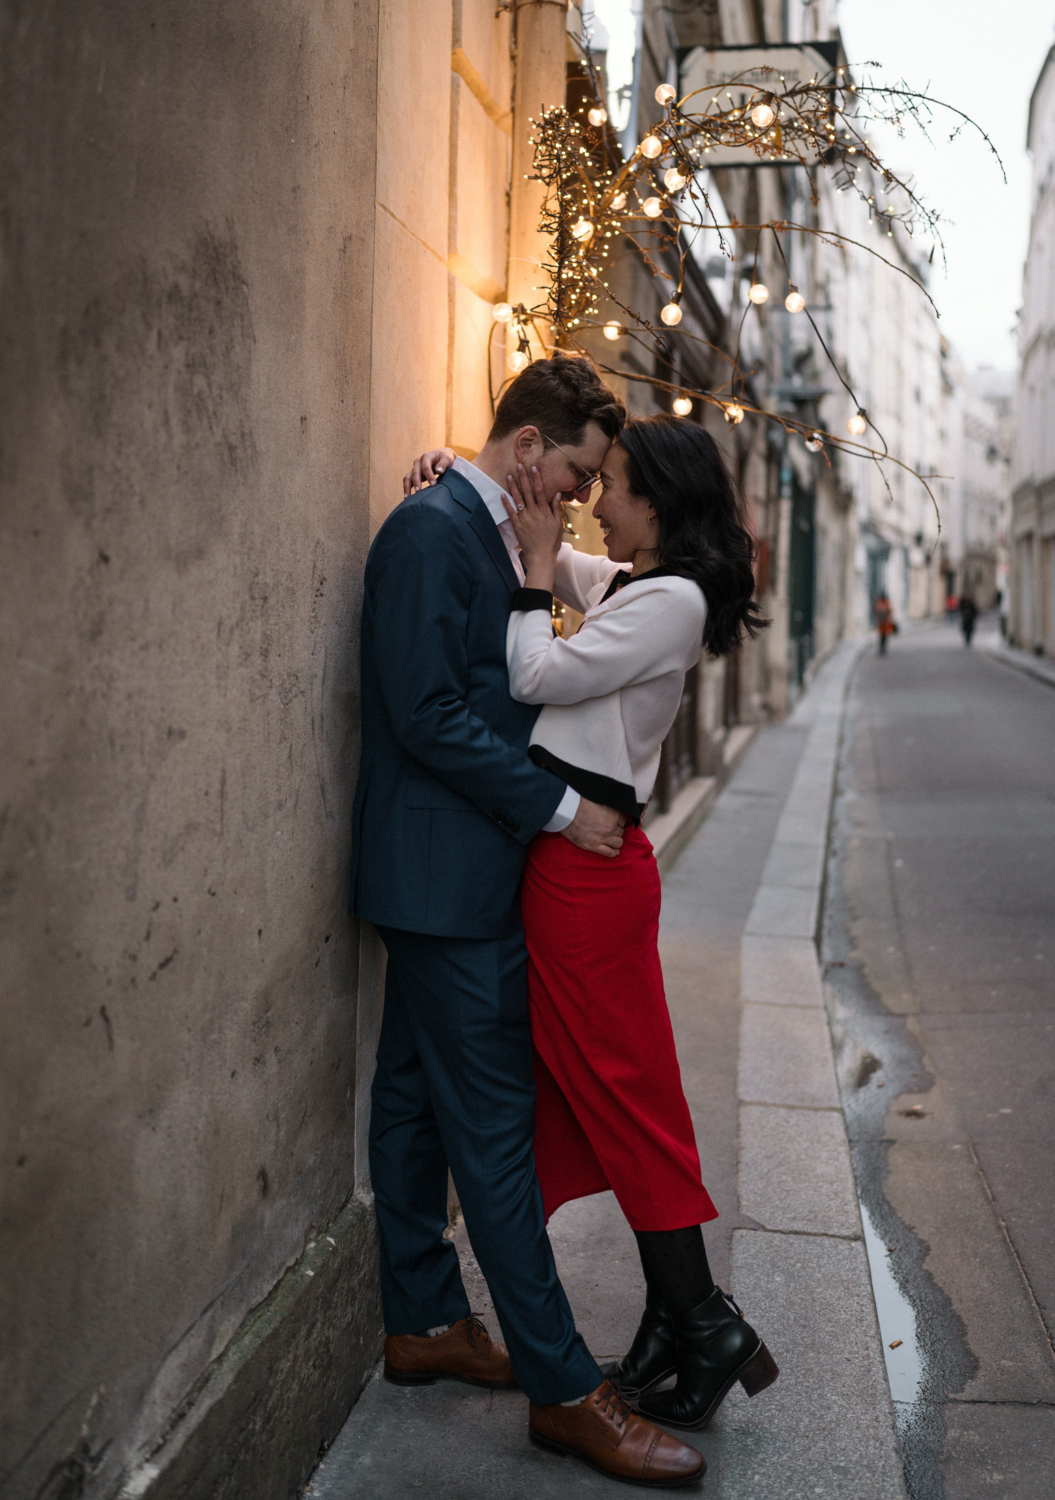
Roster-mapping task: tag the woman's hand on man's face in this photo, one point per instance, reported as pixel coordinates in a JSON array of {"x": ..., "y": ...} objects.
[
  {"x": 427, "y": 469},
  {"x": 537, "y": 521}
]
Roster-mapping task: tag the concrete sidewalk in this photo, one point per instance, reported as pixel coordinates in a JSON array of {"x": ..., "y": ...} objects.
[{"x": 740, "y": 917}]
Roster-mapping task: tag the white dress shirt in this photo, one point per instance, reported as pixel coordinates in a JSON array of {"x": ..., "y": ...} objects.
[{"x": 491, "y": 494}]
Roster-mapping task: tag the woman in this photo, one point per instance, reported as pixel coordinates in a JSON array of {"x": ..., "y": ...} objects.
[
  {"x": 611, "y": 1111},
  {"x": 883, "y": 614}
]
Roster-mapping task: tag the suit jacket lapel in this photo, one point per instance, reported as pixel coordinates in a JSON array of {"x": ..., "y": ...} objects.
[{"x": 482, "y": 522}]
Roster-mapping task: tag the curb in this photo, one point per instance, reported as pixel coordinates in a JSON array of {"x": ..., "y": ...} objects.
[
  {"x": 828, "y": 1427},
  {"x": 1040, "y": 668}
]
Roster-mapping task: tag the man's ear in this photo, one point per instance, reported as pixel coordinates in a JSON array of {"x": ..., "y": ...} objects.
[{"x": 528, "y": 446}]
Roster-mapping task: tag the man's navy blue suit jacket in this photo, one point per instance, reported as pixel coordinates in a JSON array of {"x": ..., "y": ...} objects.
[{"x": 447, "y": 799}]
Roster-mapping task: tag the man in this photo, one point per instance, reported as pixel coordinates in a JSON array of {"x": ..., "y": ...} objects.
[{"x": 447, "y": 802}]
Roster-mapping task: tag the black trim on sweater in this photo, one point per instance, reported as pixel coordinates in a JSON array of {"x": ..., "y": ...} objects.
[
  {"x": 621, "y": 579},
  {"x": 528, "y": 599},
  {"x": 591, "y": 785}
]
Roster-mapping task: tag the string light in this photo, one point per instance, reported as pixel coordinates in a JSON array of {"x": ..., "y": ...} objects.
[
  {"x": 682, "y": 406},
  {"x": 598, "y": 115},
  {"x": 586, "y": 202},
  {"x": 502, "y": 312}
]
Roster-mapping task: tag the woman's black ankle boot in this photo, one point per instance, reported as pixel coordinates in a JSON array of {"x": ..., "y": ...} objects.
[
  {"x": 714, "y": 1347},
  {"x": 650, "y": 1359}
]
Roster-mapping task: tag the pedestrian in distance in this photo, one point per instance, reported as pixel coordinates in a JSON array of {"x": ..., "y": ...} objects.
[
  {"x": 447, "y": 803},
  {"x": 883, "y": 615},
  {"x": 611, "y": 1111},
  {"x": 968, "y": 616}
]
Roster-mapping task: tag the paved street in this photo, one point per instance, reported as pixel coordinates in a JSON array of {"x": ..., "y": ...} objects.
[
  {"x": 940, "y": 955},
  {"x": 938, "y": 901}
]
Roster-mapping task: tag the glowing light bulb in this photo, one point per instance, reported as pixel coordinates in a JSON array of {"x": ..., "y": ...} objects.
[
  {"x": 653, "y": 207},
  {"x": 582, "y": 229},
  {"x": 857, "y": 424},
  {"x": 759, "y": 293},
  {"x": 673, "y": 180},
  {"x": 814, "y": 442},
  {"x": 682, "y": 406},
  {"x": 666, "y": 94},
  {"x": 518, "y": 361},
  {"x": 597, "y": 115},
  {"x": 671, "y": 315},
  {"x": 619, "y": 202},
  {"x": 651, "y": 147},
  {"x": 613, "y": 330},
  {"x": 734, "y": 414},
  {"x": 763, "y": 115},
  {"x": 502, "y": 312},
  {"x": 794, "y": 301}
]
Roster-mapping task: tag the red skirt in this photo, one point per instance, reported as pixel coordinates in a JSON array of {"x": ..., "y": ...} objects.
[{"x": 611, "y": 1110}]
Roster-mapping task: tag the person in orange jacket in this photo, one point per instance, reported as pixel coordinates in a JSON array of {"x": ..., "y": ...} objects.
[{"x": 883, "y": 615}]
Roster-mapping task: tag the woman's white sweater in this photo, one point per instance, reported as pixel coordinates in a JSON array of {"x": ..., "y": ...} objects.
[{"x": 612, "y": 690}]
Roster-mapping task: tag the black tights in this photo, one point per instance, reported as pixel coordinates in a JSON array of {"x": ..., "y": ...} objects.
[{"x": 675, "y": 1265}]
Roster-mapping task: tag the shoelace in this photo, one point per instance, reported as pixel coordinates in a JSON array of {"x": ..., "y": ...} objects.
[
  {"x": 732, "y": 1303},
  {"x": 475, "y": 1331},
  {"x": 614, "y": 1407}
]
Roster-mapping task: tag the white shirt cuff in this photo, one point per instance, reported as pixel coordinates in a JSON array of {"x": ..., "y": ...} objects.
[{"x": 567, "y": 807}]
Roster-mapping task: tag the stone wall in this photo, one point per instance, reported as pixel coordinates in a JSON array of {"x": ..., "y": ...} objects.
[{"x": 187, "y": 283}]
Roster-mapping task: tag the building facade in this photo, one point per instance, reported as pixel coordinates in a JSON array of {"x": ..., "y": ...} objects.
[{"x": 1031, "y": 616}]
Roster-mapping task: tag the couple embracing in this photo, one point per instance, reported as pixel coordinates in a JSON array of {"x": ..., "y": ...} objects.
[{"x": 526, "y": 1043}]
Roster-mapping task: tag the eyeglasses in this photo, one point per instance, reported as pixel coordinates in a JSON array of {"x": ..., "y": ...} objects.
[{"x": 587, "y": 481}]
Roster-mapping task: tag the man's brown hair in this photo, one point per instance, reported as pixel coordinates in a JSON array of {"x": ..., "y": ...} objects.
[{"x": 559, "y": 396}]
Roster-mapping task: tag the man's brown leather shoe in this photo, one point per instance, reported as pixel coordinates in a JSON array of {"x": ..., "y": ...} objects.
[
  {"x": 607, "y": 1435},
  {"x": 465, "y": 1352}
]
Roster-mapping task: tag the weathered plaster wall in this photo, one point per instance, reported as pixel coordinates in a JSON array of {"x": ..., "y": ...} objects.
[{"x": 187, "y": 258}]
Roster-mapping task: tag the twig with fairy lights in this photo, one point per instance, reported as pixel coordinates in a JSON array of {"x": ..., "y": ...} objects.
[{"x": 596, "y": 205}]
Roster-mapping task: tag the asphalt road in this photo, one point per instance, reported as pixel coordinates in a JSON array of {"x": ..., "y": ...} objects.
[{"x": 939, "y": 946}]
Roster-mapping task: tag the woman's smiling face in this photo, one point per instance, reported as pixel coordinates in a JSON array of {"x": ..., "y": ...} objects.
[{"x": 627, "y": 520}]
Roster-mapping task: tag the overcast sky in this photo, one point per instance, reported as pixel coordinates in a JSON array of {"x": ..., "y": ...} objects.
[{"x": 984, "y": 59}]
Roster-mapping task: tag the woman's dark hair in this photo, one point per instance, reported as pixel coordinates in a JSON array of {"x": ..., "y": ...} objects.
[{"x": 679, "y": 468}]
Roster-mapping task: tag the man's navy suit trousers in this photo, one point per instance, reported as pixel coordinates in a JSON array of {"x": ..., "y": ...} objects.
[{"x": 454, "y": 1087}]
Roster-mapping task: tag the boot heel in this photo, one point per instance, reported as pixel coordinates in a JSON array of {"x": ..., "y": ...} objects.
[
  {"x": 760, "y": 1371},
  {"x": 407, "y": 1377}
]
